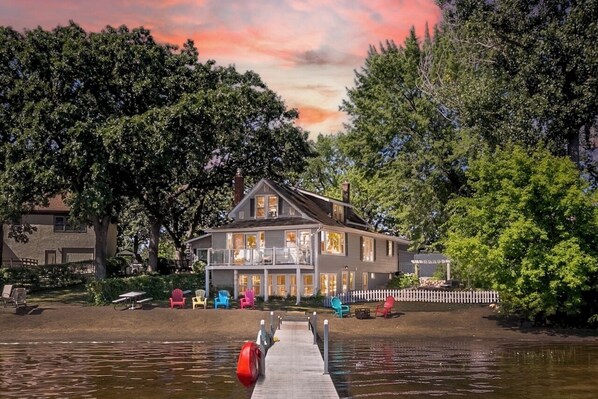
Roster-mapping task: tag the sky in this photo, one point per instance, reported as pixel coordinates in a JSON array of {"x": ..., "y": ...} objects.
[{"x": 307, "y": 51}]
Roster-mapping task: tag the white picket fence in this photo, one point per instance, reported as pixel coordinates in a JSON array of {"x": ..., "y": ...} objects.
[{"x": 415, "y": 295}]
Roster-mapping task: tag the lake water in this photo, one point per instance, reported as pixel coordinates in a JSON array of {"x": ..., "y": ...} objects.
[{"x": 359, "y": 369}]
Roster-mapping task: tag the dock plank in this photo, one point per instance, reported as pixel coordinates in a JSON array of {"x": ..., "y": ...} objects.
[{"x": 294, "y": 367}]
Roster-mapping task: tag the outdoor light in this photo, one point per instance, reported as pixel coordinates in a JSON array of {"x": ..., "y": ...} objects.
[{"x": 372, "y": 276}]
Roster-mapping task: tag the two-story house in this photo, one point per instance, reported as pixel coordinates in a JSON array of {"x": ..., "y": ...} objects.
[
  {"x": 56, "y": 238},
  {"x": 287, "y": 241}
]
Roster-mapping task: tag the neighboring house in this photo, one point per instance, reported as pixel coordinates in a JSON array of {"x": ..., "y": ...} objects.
[
  {"x": 56, "y": 239},
  {"x": 286, "y": 241}
]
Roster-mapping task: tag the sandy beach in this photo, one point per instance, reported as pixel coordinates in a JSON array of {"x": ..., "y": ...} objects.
[{"x": 58, "y": 322}]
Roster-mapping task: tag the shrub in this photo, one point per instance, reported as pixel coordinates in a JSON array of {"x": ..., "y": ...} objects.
[
  {"x": 404, "y": 280},
  {"x": 102, "y": 292}
]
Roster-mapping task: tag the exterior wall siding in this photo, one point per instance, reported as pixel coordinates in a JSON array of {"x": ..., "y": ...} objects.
[{"x": 65, "y": 244}]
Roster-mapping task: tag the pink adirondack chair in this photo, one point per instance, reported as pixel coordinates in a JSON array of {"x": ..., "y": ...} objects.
[
  {"x": 177, "y": 299},
  {"x": 249, "y": 300},
  {"x": 385, "y": 309}
]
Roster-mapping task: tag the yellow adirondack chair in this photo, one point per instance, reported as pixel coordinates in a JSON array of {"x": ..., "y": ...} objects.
[{"x": 200, "y": 299}]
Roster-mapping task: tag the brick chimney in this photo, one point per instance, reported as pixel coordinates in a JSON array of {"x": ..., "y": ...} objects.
[
  {"x": 346, "y": 188},
  {"x": 238, "y": 186}
]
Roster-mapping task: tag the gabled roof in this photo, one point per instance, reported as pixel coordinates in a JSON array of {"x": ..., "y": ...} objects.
[
  {"x": 313, "y": 208},
  {"x": 55, "y": 204}
]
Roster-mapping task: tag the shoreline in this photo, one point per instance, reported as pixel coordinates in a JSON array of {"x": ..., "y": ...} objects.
[{"x": 57, "y": 322}]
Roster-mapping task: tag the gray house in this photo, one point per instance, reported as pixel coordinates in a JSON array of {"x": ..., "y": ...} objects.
[{"x": 286, "y": 241}]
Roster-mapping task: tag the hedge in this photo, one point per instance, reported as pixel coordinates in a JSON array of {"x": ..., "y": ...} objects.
[
  {"x": 102, "y": 292},
  {"x": 35, "y": 278}
]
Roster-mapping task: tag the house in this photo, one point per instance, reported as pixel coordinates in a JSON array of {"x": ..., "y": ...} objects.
[
  {"x": 287, "y": 241},
  {"x": 55, "y": 239}
]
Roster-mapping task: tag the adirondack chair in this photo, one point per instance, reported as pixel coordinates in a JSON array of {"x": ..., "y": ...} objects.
[
  {"x": 177, "y": 299},
  {"x": 6, "y": 294},
  {"x": 200, "y": 299},
  {"x": 249, "y": 300},
  {"x": 339, "y": 309},
  {"x": 385, "y": 308},
  {"x": 19, "y": 297},
  {"x": 223, "y": 299}
]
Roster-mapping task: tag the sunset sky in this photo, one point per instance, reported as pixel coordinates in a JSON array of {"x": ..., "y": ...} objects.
[{"x": 305, "y": 50}]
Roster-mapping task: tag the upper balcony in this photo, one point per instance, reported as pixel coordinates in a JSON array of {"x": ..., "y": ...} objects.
[{"x": 259, "y": 257}]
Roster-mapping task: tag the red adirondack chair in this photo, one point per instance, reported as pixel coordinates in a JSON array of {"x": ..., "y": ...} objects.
[
  {"x": 177, "y": 299},
  {"x": 249, "y": 300},
  {"x": 385, "y": 309}
]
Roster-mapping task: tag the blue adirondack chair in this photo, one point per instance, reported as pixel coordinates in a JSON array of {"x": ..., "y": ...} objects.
[
  {"x": 222, "y": 299},
  {"x": 339, "y": 309}
]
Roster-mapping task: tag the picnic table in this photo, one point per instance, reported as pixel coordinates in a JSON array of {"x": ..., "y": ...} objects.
[{"x": 131, "y": 300}]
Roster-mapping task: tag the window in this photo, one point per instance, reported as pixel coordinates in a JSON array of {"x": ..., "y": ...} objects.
[
  {"x": 260, "y": 206},
  {"x": 338, "y": 212},
  {"x": 272, "y": 206},
  {"x": 308, "y": 284},
  {"x": 367, "y": 249},
  {"x": 332, "y": 243},
  {"x": 265, "y": 203},
  {"x": 63, "y": 224},
  {"x": 290, "y": 238},
  {"x": 364, "y": 281},
  {"x": 243, "y": 282},
  {"x": 328, "y": 284},
  {"x": 255, "y": 284},
  {"x": 390, "y": 248}
]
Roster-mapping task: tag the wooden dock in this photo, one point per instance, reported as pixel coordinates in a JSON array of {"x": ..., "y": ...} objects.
[{"x": 294, "y": 367}]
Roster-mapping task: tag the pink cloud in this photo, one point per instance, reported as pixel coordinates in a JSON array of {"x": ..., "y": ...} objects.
[{"x": 307, "y": 49}]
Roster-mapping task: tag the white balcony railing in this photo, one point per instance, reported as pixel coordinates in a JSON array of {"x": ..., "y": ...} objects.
[{"x": 261, "y": 256}]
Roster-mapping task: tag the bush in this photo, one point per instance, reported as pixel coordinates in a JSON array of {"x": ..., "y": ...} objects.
[
  {"x": 102, "y": 292},
  {"x": 404, "y": 280}
]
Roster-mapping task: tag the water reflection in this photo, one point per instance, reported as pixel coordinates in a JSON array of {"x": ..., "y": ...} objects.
[
  {"x": 359, "y": 369},
  {"x": 116, "y": 370},
  {"x": 389, "y": 368}
]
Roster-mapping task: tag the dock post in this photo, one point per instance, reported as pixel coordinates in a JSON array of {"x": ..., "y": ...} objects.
[
  {"x": 315, "y": 327},
  {"x": 325, "y": 346},
  {"x": 262, "y": 347},
  {"x": 272, "y": 329}
]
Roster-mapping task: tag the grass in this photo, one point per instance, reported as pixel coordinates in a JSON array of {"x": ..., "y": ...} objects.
[{"x": 73, "y": 295}]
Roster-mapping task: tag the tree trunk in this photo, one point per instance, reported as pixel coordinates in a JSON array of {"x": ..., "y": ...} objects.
[
  {"x": 100, "y": 226},
  {"x": 153, "y": 244},
  {"x": 1, "y": 243},
  {"x": 573, "y": 149},
  {"x": 136, "y": 249}
]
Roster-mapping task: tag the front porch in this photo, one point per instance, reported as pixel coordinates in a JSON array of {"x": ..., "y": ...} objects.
[{"x": 268, "y": 280}]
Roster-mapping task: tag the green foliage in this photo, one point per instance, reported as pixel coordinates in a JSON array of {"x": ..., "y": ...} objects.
[
  {"x": 521, "y": 72},
  {"x": 528, "y": 231},
  {"x": 46, "y": 276},
  {"x": 406, "y": 280},
  {"x": 102, "y": 292},
  {"x": 115, "y": 266}
]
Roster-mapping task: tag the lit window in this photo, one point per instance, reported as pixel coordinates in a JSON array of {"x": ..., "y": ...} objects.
[
  {"x": 308, "y": 284},
  {"x": 260, "y": 206},
  {"x": 367, "y": 249},
  {"x": 338, "y": 212},
  {"x": 290, "y": 238},
  {"x": 272, "y": 206},
  {"x": 332, "y": 243}
]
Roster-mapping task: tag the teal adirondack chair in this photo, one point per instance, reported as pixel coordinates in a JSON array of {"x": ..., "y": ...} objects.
[
  {"x": 339, "y": 309},
  {"x": 223, "y": 299}
]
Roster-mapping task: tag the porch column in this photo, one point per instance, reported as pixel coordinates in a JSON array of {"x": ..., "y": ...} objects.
[
  {"x": 299, "y": 285},
  {"x": 265, "y": 285},
  {"x": 236, "y": 284},
  {"x": 208, "y": 293},
  {"x": 316, "y": 257},
  {"x": 448, "y": 270}
]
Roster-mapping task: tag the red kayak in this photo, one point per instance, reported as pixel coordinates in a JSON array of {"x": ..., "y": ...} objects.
[{"x": 248, "y": 365}]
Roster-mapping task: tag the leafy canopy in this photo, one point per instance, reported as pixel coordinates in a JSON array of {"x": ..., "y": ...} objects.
[{"x": 528, "y": 231}]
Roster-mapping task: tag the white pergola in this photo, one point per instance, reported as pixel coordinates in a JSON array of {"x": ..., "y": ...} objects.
[{"x": 432, "y": 259}]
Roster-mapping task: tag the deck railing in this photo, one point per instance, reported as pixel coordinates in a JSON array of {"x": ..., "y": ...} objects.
[
  {"x": 11, "y": 262},
  {"x": 418, "y": 295},
  {"x": 259, "y": 256}
]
